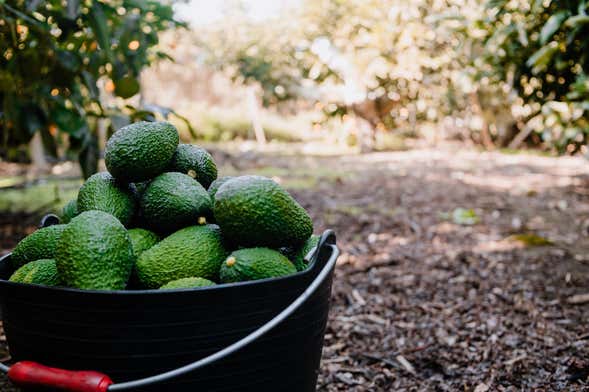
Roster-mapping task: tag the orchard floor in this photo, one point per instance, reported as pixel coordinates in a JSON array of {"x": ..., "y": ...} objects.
[{"x": 423, "y": 301}]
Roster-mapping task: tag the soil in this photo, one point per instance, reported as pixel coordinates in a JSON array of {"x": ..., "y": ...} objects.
[{"x": 429, "y": 298}]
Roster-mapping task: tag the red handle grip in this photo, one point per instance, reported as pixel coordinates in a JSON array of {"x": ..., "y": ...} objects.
[{"x": 32, "y": 374}]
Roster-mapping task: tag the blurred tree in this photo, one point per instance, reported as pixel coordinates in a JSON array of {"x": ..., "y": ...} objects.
[
  {"x": 540, "y": 50},
  {"x": 385, "y": 63},
  {"x": 55, "y": 54}
]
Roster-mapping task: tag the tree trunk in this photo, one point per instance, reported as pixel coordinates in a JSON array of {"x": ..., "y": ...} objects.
[
  {"x": 37, "y": 153},
  {"x": 254, "y": 112}
]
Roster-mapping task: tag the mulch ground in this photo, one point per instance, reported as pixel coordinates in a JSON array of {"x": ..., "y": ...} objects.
[{"x": 423, "y": 303}]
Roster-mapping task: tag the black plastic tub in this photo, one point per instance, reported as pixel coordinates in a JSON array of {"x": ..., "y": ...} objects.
[{"x": 130, "y": 335}]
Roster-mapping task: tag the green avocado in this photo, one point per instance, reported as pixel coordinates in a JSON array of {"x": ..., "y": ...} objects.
[
  {"x": 42, "y": 271},
  {"x": 255, "y": 211},
  {"x": 140, "y": 151},
  {"x": 253, "y": 264},
  {"x": 297, "y": 254},
  {"x": 95, "y": 253},
  {"x": 196, "y": 162},
  {"x": 172, "y": 201},
  {"x": 215, "y": 185},
  {"x": 141, "y": 240},
  {"x": 69, "y": 211},
  {"x": 187, "y": 283},
  {"x": 101, "y": 192},
  {"x": 38, "y": 245},
  {"x": 195, "y": 251}
]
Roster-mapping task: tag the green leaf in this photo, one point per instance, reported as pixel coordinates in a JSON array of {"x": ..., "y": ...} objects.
[
  {"x": 69, "y": 121},
  {"x": 90, "y": 83},
  {"x": 465, "y": 217},
  {"x": 126, "y": 87},
  {"x": 73, "y": 8},
  {"x": 552, "y": 25},
  {"x": 531, "y": 239},
  {"x": 542, "y": 57},
  {"x": 99, "y": 25},
  {"x": 68, "y": 60},
  {"x": 577, "y": 20}
]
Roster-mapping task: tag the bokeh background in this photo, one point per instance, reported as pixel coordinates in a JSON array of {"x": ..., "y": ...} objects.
[{"x": 443, "y": 140}]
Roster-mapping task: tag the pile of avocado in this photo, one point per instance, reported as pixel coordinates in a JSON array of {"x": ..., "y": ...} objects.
[{"x": 160, "y": 218}]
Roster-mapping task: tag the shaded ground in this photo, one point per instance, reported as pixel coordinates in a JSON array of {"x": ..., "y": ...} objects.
[{"x": 424, "y": 303}]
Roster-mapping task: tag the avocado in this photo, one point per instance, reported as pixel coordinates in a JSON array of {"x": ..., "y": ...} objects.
[
  {"x": 187, "y": 283},
  {"x": 95, "y": 253},
  {"x": 253, "y": 264},
  {"x": 215, "y": 185},
  {"x": 255, "y": 211},
  {"x": 101, "y": 192},
  {"x": 141, "y": 240},
  {"x": 195, "y": 251},
  {"x": 42, "y": 271},
  {"x": 69, "y": 210},
  {"x": 196, "y": 162},
  {"x": 297, "y": 254},
  {"x": 172, "y": 201},
  {"x": 38, "y": 245},
  {"x": 140, "y": 151}
]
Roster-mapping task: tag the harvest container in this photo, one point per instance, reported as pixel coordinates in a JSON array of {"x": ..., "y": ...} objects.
[{"x": 131, "y": 335}]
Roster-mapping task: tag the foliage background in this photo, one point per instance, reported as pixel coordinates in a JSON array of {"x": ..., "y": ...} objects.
[{"x": 360, "y": 73}]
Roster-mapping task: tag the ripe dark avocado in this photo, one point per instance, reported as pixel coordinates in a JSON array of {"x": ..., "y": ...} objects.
[
  {"x": 215, "y": 185},
  {"x": 195, "y": 251},
  {"x": 101, "y": 192},
  {"x": 255, "y": 211},
  {"x": 95, "y": 253},
  {"x": 297, "y": 254},
  {"x": 141, "y": 151},
  {"x": 172, "y": 201},
  {"x": 187, "y": 283},
  {"x": 69, "y": 211},
  {"x": 42, "y": 271},
  {"x": 196, "y": 162},
  {"x": 38, "y": 245},
  {"x": 141, "y": 240},
  {"x": 255, "y": 263}
]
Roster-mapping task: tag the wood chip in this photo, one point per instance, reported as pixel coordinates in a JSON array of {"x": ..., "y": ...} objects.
[
  {"x": 515, "y": 360},
  {"x": 358, "y": 298},
  {"x": 578, "y": 299},
  {"x": 406, "y": 364},
  {"x": 482, "y": 387}
]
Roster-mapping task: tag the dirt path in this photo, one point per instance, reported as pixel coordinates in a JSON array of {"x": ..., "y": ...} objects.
[{"x": 423, "y": 301}]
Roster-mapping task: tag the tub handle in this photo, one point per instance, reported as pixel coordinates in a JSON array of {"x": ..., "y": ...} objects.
[{"x": 32, "y": 374}]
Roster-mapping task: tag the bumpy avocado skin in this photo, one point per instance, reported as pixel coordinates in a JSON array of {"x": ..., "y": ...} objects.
[
  {"x": 141, "y": 240},
  {"x": 102, "y": 192},
  {"x": 38, "y": 245},
  {"x": 255, "y": 263},
  {"x": 172, "y": 201},
  {"x": 69, "y": 211},
  {"x": 95, "y": 253},
  {"x": 255, "y": 211},
  {"x": 215, "y": 185},
  {"x": 42, "y": 272},
  {"x": 196, "y": 162},
  {"x": 141, "y": 151},
  {"x": 187, "y": 283},
  {"x": 297, "y": 254},
  {"x": 195, "y": 251}
]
